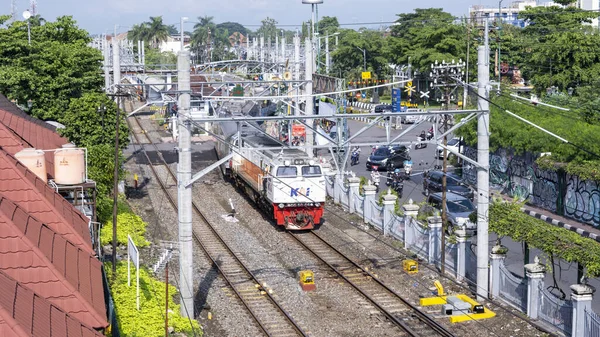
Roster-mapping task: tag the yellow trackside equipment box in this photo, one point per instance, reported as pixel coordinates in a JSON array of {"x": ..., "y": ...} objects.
[
  {"x": 411, "y": 266},
  {"x": 307, "y": 280}
]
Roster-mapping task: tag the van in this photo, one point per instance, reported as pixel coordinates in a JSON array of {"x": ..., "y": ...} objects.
[
  {"x": 407, "y": 118},
  {"x": 458, "y": 209}
]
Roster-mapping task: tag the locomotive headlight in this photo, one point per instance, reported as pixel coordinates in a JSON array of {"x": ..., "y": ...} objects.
[
  {"x": 312, "y": 162},
  {"x": 281, "y": 206},
  {"x": 287, "y": 163}
]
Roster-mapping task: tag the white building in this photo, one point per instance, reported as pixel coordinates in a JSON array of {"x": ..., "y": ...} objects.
[
  {"x": 173, "y": 44},
  {"x": 509, "y": 14}
]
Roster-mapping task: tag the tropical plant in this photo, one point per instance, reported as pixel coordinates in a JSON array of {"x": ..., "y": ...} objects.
[{"x": 157, "y": 31}]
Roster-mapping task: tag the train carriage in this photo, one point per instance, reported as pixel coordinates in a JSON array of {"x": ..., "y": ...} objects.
[{"x": 284, "y": 182}]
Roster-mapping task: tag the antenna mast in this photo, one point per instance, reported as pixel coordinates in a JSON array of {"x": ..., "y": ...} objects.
[
  {"x": 33, "y": 7},
  {"x": 13, "y": 10}
]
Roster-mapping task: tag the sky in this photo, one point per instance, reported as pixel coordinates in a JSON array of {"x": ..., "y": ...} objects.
[{"x": 99, "y": 16}]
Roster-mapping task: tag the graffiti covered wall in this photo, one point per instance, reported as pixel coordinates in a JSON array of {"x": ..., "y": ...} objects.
[{"x": 582, "y": 200}]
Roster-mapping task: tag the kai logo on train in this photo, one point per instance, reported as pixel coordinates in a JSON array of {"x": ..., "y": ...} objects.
[{"x": 296, "y": 192}]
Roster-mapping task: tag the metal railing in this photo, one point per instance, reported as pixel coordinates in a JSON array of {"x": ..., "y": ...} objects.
[
  {"x": 592, "y": 324},
  {"x": 555, "y": 311},
  {"x": 513, "y": 289}
]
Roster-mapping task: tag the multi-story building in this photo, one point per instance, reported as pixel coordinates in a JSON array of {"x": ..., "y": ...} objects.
[{"x": 509, "y": 14}]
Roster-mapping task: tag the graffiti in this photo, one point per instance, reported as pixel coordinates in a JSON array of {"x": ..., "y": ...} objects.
[
  {"x": 582, "y": 200},
  {"x": 518, "y": 177}
]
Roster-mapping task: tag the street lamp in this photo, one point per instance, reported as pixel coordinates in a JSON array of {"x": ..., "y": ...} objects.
[
  {"x": 26, "y": 16},
  {"x": 29, "y": 104},
  {"x": 183, "y": 18},
  {"x": 364, "y": 51}
]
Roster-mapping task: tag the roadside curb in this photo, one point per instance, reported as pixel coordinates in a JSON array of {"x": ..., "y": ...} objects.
[{"x": 555, "y": 222}]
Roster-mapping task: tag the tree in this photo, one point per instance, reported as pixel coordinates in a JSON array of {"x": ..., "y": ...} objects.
[
  {"x": 328, "y": 25},
  {"x": 426, "y": 36},
  {"x": 348, "y": 58},
  {"x": 139, "y": 32},
  {"x": 157, "y": 31},
  {"x": 233, "y": 27},
  {"x": 57, "y": 66},
  {"x": 561, "y": 50},
  {"x": 268, "y": 28}
]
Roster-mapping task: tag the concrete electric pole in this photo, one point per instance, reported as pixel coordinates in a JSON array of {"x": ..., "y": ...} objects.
[
  {"x": 184, "y": 194},
  {"x": 483, "y": 177},
  {"x": 308, "y": 95}
]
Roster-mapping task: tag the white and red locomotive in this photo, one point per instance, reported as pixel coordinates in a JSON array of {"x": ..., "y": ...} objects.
[{"x": 284, "y": 182}]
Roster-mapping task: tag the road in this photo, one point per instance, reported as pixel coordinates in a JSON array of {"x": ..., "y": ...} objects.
[
  {"x": 565, "y": 273},
  {"x": 423, "y": 159}
]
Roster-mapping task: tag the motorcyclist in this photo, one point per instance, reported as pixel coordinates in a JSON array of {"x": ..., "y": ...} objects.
[
  {"x": 423, "y": 135},
  {"x": 375, "y": 178},
  {"x": 355, "y": 153}
]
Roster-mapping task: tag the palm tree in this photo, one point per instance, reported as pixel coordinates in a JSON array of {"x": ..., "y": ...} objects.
[
  {"x": 36, "y": 20},
  {"x": 138, "y": 32},
  {"x": 157, "y": 31}
]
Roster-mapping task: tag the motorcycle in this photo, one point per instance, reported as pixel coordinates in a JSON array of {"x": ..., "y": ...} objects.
[
  {"x": 398, "y": 187},
  {"x": 354, "y": 157},
  {"x": 408, "y": 164},
  {"x": 421, "y": 141},
  {"x": 430, "y": 134}
]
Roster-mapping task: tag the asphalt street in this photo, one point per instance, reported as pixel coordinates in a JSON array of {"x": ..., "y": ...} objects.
[{"x": 423, "y": 159}]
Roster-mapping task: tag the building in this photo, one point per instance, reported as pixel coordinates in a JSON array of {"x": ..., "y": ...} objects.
[
  {"x": 173, "y": 44},
  {"x": 51, "y": 281},
  {"x": 509, "y": 14}
]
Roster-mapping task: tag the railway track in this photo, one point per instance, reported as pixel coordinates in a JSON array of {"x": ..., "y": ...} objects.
[
  {"x": 402, "y": 313},
  {"x": 269, "y": 315}
]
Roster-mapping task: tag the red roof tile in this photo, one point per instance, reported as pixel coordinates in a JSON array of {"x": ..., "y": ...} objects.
[
  {"x": 38, "y": 199},
  {"x": 25, "y": 313},
  {"x": 62, "y": 273}
]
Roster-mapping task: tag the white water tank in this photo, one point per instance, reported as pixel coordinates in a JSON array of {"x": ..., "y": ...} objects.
[
  {"x": 34, "y": 160},
  {"x": 69, "y": 165}
]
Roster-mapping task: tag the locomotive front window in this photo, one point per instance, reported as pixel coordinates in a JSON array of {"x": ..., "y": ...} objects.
[
  {"x": 311, "y": 170},
  {"x": 287, "y": 171}
]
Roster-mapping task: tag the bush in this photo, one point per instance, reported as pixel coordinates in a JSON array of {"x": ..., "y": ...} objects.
[
  {"x": 149, "y": 321},
  {"x": 127, "y": 224}
]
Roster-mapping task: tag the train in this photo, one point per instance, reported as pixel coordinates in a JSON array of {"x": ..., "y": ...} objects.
[{"x": 284, "y": 182}]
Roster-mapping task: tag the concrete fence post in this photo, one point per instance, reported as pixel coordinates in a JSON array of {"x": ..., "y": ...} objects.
[
  {"x": 337, "y": 190},
  {"x": 389, "y": 204},
  {"x": 581, "y": 295},
  {"x": 410, "y": 211},
  {"x": 353, "y": 190},
  {"x": 435, "y": 238},
  {"x": 463, "y": 241},
  {"x": 535, "y": 277},
  {"x": 497, "y": 258},
  {"x": 370, "y": 192}
]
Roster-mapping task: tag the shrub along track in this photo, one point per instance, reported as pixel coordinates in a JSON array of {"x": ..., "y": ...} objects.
[{"x": 269, "y": 315}]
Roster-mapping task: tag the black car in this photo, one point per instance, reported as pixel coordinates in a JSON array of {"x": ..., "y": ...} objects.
[
  {"x": 382, "y": 108},
  {"x": 432, "y": 182},
  {"x": 388, "y": 158}
]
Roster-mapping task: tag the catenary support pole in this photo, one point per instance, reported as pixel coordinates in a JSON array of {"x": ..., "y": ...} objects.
[
  {"x": 115, "y": 189},
  {"x": 167, "y": 299},
  {"x": 327, "y": 56},
  {"x": 297, "y": 57},
  {"x": 116, "y": 60},
  {"x": 184, "y": 194},
  {"x": 309, "y": 91},
  {"x": 483, "y": 186}
]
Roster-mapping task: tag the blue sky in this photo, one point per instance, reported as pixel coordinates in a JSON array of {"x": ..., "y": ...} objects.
[{"x": 98, "y": 16}]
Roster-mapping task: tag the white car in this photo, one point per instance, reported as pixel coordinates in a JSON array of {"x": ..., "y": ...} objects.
[
  {"x": 454, "y": 144},
  {"x": 410, "y": 119}
]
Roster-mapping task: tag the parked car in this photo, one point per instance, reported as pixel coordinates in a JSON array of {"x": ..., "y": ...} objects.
[
  {"x": 382, "y": 108},
  {"x": 432, "y": 182},
  {"x": 410, "y": 119},
  {"x": 396, "y": 155},
  {"x": 458, "y": 209},
  {"x": 454, "y": 144}
]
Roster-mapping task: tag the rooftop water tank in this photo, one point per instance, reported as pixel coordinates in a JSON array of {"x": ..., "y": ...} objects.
[
  {"x": 69, "y": 165},
  {"x": 34, "y": 160}
]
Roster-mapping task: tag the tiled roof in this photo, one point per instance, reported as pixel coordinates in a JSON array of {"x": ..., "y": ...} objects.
[
  {"x": 24, "y": 313},
  {"x": 45, "y": 262},
  {"x": 28, "y": 131},
  {"x": 31, "y": 193}
]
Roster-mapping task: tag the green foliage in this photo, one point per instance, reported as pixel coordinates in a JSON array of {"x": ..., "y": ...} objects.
[
  {"x": 509, "y": 132},
  {"x": 397, "y": 208},
  {"x": 57, "y": 66},
  {"x": 506, "y": 219},
  {"x": 156, "y": 57},
  {"x": 328, "y": 25},
  {"x": 557, "y": 48},
  {"x": 233, "y": 27},
  {"x": 154, "y": 31},
  {"x": 149, "y": 321},
  {"x": 86, "y": 125},
  {"x": 425, "y": 36},
  {"x": 268, "y": 28},
  {"x": 127, "y": 224},
  {"x": 349, "y": 60}
]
